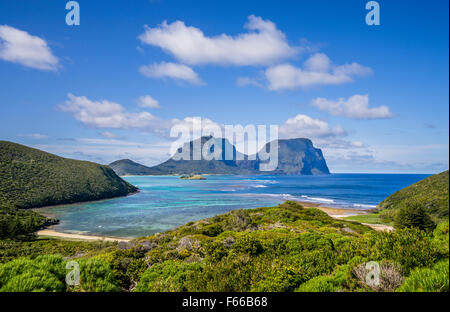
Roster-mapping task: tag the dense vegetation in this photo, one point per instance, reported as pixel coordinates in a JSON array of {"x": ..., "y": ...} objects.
[
  {"x": 413, "y": 214},
  {"x": 20, "y": 224},
  {"x": 431, "y": 193},
  {"x": 282, "y": 248},
  {"x": 33, "y": 178}
]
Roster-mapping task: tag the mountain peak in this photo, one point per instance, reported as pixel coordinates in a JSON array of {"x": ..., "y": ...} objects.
[{"x": 295, "y": 156}]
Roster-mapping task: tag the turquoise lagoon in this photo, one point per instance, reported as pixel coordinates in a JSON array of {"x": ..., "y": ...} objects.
[{"x": 165, "y": 202}]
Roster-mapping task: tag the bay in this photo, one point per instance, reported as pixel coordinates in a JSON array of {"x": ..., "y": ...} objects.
[{"x": 165, "y": 202}]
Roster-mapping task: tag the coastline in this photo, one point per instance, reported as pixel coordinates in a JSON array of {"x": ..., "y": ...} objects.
[
  {"x": 339, "y": 213},
  {"x": 49, "y": 215},
  {"x": 336, "y": 213},
  {"x": 49, "y": 232},
  {"x": 55, "y": 234},
  {"x": 333, "y": 211}
]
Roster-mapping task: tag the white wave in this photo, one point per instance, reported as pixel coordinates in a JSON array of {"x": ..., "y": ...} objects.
[
  {"x": 317, "y": 199},
  {"x": 263, "y": 181},
  {"x": 325, "y": 200},
  {"x": 364, "y": 206},
  {"x": 283, "y": 196}
]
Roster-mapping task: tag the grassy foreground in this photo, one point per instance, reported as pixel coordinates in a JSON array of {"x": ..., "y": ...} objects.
[
  {"x": 282, "y": 248},
  {"x": 370, "y": 218}
]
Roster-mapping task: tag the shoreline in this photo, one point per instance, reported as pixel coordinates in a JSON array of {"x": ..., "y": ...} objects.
[
  {"x": 53, "y": 233},
  {"x": 49, "y": 215},
  {"x": 336, "y": 213},
  {"x": 339, "y": 213},
  {"x": 333, "y": 211}
]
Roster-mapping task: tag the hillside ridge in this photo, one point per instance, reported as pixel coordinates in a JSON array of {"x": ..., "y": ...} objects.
[{"x": 31, "y": 178}]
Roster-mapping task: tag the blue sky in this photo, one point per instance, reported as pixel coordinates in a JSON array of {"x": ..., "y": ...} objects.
[{"x": 374, "y": 98}]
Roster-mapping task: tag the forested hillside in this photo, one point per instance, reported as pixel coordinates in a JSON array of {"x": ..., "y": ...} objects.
[
  {"x": 431, "y": 193},
  {"x": 33, "y": 178}
]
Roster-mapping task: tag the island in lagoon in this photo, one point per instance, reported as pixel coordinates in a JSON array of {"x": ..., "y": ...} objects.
[{"x": 192, "y": 177}]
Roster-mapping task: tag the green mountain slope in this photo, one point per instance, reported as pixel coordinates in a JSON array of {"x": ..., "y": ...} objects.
[
  {"x": 33, "y": 178},
  {"x": 431, "y": 192},
  {"x": 125, "y": 167}
]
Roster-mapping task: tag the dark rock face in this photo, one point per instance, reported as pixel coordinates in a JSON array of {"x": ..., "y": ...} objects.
[
  {"x": 299, "y": 156},
  {"x": 295, "y": 156}
]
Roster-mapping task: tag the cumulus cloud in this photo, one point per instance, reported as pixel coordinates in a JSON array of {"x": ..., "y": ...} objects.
[
  {"x": 204, "y": 125},
  {"x": 20, "y": 47},
  {"x": 303, "y": 126},
  {"x": 171, "y": 70},
  {"x": 263, "y": 44},
  {"x": 105, "y": 114},
  {"x": 317, "y": 70},
  {"x": 356, "y": 107},
  {"x": 148, "y": 101}
]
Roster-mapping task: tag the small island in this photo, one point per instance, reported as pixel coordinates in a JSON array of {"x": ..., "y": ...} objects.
[{"x": 193, "y": 177}]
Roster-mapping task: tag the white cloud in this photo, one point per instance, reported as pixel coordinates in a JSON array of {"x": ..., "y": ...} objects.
[
  {"x": 37, "y": 136},
  {"x": 107, "y": 151},
  {"x": 356, "y": 107},
  {"x": 303, "y": 126},
  {"x": 105, "y": 114},
  {"x": 171, "y": 70},
  {"x": 375, "y": 161},
  {"x": 148, "y": 101},
  {"x": 246, "y": 81},
  {"x": 20, "y": 47},
  {"x": 263, "y": 44},
  {"x": 108, "y": 135},
  {"x": 317, "y": 70}
]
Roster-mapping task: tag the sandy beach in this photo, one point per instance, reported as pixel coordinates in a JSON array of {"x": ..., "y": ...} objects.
[
  {"x": 53, "y": 233},
  {"x": 339, "y": 213},
  {"x": 334, "y": 212}
]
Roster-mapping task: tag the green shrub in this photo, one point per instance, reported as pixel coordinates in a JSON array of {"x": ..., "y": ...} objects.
[
  {"x": 281, "y": 277},
  {"x": 169, "y": 276},
  {"x": 45, "y": 273},
  {"x": 387, "y": 215},
  {"x": 238, "y": 220},
  {"x": 319, "y": 284},
  {"x": 127, "y": 267},
  {"x": 410, "y": 247},
  {"x": 95, "y": 276},
  {"x": 234, "y": 273},
  {"x": 48, "y": 273},
  {"x": 212, "y": 230},
  {"x": 19, "y": 224},
  {"x": 12, "y": 249},
  {"x": 435, "y": 279},
  {"x": 441, "y": 238},
  {"x": 248, "y": 244},
  {"x": 413, "y": 215}
]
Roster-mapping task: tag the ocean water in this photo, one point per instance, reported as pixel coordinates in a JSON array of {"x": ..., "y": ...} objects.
[{"x": 165, "y": 202}]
